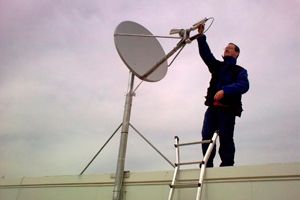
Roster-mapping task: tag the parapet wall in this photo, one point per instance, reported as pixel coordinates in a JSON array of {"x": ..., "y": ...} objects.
[{"x": 265, "y": 182}]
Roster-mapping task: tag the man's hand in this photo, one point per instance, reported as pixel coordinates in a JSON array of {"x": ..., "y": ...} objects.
[
  {"x": 219, "y": 95},
  {"x": 201, "y": 29}
]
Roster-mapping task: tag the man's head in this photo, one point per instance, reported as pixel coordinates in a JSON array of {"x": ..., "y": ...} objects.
[{"x": 232, "y": 50}]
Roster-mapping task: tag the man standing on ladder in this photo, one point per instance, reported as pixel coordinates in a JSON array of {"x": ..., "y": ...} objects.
[{"x": 228, "y": 82}]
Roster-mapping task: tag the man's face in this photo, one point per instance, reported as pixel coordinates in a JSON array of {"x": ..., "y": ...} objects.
[{"x": 230, "y": 51}]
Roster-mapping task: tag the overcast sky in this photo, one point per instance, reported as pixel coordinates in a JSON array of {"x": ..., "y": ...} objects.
[{"x": 63, "y": 84}]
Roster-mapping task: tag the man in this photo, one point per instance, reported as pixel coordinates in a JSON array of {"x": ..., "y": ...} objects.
[{"x": 228, "y": 82}]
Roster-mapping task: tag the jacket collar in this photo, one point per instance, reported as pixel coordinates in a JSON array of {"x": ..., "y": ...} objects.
[{"x": 229, "y": 60}]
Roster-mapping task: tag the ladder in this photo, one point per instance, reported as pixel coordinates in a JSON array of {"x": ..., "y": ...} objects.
[{"x": 202, "y": 164}]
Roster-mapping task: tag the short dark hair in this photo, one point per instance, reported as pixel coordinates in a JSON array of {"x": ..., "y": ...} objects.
[{"x": 236, "y": 48}]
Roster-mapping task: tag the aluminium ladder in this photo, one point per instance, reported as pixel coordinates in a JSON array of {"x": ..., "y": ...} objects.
[{"x": 175, "y": 182}]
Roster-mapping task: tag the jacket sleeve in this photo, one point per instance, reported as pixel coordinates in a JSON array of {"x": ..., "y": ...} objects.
[
  {"x": 240, "y": 86},
  {"x": 206, "y": 54}
]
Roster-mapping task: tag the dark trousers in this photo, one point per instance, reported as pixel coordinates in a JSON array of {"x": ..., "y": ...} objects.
[{"x": 219, "y": 119}]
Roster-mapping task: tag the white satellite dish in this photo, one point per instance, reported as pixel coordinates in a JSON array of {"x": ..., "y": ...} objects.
[{"x": 140, "y": 53}]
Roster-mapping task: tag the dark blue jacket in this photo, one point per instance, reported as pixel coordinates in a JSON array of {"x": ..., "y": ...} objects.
[{"x": 226, "y": 76}]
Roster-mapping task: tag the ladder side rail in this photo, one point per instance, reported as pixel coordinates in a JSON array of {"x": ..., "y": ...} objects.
[
  {"x": 203, "y": 166},
  {"x": 202, "y": 173},
  {"x": 177, "y": 155},
  {"x": 210, "y": 147},
  {"x": 177, "y": 150}
]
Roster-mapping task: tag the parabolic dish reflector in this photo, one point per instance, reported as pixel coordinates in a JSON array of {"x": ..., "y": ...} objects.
[{"x": 140, "y": 52}]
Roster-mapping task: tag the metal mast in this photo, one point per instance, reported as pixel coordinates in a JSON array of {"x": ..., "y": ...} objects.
[{"x": 117, "y": 192}]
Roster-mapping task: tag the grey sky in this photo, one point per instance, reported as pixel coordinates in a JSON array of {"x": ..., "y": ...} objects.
[{"x": 63, "y": 85}]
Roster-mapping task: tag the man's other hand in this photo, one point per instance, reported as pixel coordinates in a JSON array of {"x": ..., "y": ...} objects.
[{"x": 219, "y": 95}]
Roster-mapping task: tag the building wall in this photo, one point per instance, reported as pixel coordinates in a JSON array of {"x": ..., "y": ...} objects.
[{"x": 276, "y": 182}]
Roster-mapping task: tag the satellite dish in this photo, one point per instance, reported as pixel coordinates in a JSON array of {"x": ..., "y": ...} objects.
[{"x": 139, "y": 51}]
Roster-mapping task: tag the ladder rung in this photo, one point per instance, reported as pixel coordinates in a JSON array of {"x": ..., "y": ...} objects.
[
  {"x": 186, "y": 185},
  {"x": 189, "y": 163},
  {"x": 192, "y": 143}
]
